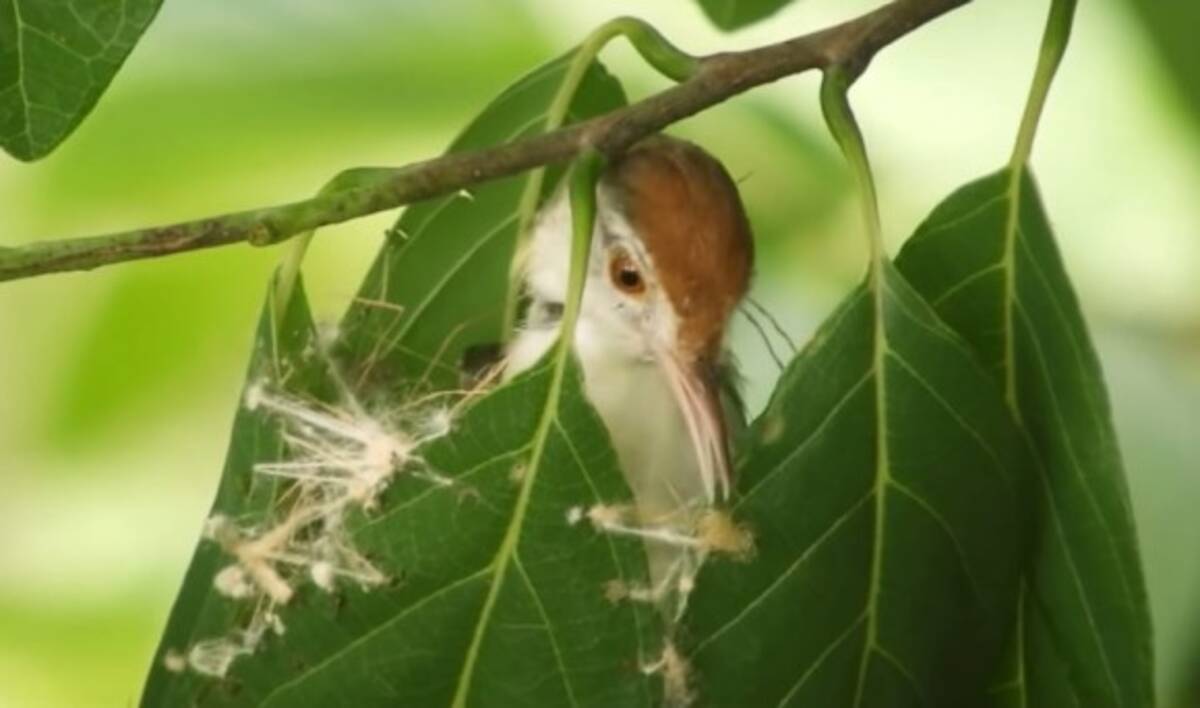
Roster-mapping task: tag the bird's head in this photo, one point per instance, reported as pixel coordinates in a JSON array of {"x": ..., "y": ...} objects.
[{"x": 671, "y": 259}]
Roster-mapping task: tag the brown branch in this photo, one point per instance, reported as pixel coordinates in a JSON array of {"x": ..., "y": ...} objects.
[{"x": 850, "y": 45}]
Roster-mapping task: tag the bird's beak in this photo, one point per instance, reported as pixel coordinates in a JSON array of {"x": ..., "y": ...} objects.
[{"x": 697, "y": 391}]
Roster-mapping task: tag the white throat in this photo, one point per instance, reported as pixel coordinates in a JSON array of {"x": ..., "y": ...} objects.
[{"x": 622, "y": 378}]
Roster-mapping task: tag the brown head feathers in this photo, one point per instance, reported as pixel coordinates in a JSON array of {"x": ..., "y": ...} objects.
[{"x": 685, "y": 208}]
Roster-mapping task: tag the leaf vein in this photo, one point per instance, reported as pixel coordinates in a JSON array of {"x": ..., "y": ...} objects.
[
  {"x": 903, "y": 671},
  {"x": 378, "y": 629},
  {"x": 965, "y": 283},
  {"x": 945, "y": 527},
  {"x": 820, "y": 659},
  {"x": 796, "y": 565},
  {"x": 938, "y": 329},
  {"x": 564, "y": 675},
  {"x": 964, "y": 217},
  {"x": 608, "y": 538},
  {"x": 449, "y": 275},
  {"x": 817, "y": 430},
  {"x": 966, "y": 427}
]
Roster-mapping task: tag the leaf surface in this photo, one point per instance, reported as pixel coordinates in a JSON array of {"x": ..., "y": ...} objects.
[
  {"x": 883, "y": 484},
  {"x": 496, "y": 597},
  {"x": 986, "y": 259},
  {"x": 56, "y": 58}
]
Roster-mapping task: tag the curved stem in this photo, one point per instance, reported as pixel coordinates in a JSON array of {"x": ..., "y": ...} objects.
[
  {"x": 835, "y": 105},
  {"x": 669, "y": 60},
  {"x": 658, "y": 52},
  {"x": 1054, "y": 44},
  {"x": 585, "y": 172}
]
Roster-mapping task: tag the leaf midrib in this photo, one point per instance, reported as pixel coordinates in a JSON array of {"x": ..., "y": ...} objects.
[
  {"x": 1008, "y": 262},
  {"x": 1013, "y": 237},
  {"x": 882, "y": 471},
  {"x": 508, "y": 546}
]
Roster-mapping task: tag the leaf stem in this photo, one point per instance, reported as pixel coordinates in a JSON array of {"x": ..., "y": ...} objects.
[
  {"x": 658, "y": 52},
  {"x": 1054, "y": 45},
  {"x": 583, "y": 178},
  {"x": 835, "y": 106}
]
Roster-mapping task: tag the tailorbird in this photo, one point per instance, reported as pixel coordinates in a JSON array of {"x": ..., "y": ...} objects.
[{"x": 671, "y": 259}]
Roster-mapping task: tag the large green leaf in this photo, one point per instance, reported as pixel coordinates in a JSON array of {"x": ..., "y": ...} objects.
[
  {"x": 444, "y": 272},
  {"x": 495, "y": 598},
  {"x": 734, "y": 14},
  {"x": 987, "y": 261},
  {"x": 56, "y": 58},
  {"x": 884, "y": 484}
]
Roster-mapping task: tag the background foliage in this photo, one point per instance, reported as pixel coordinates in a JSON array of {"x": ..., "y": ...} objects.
[{"x": 120, "y": 396}]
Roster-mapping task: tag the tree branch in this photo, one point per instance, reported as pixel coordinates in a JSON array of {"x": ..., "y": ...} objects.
[{"x": 850, "y": 45}]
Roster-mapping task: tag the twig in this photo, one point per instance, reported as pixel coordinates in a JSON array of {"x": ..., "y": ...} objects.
[{"x": 850, "y": 45}]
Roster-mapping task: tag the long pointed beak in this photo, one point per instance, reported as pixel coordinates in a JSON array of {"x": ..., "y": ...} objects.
[{"x": 698, "y": 394}]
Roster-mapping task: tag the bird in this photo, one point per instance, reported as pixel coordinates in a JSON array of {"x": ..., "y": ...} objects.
[{"x": 671, "y": 258}]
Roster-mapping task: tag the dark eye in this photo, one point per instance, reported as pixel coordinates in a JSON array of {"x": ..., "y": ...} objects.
[{"x": 625, "y": 274}]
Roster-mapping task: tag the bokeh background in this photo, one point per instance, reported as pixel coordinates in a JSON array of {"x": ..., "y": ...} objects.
[{"x": 117, "y": 388}]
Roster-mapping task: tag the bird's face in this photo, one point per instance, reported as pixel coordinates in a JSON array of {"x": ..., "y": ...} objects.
[
  {"x": 671, "y": 259},
  {"x": 625, "y": 302}
]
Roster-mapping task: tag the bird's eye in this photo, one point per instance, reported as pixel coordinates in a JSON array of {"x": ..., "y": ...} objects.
[{"x": 625, "y": 274}]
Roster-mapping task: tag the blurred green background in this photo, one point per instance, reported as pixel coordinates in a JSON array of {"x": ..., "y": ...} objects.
[{"x": 117, "y": 388}]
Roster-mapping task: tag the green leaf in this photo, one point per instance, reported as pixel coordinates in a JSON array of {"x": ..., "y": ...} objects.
[
  {"x": 56, "y": 58},
  {"x": 735, "y": 14},
  {"x": 496, "y": 596},
  {"x": 884, "y": 485},
  {"x": 441, "y": 282},
  {"x": 986, "y": 259},
  {"x": 494, "y": 582}
]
